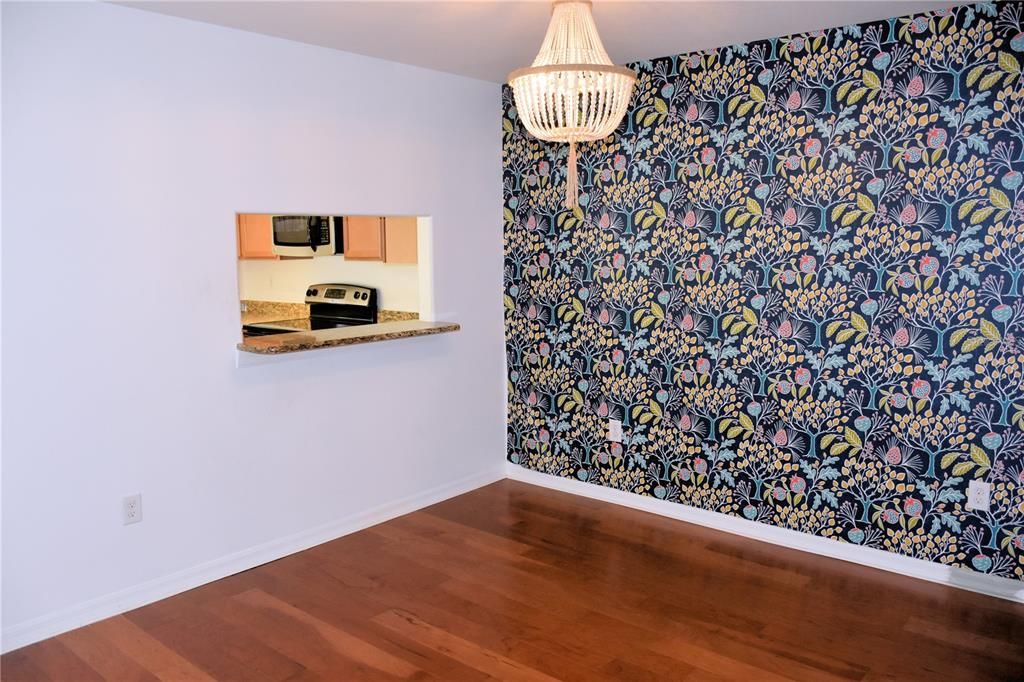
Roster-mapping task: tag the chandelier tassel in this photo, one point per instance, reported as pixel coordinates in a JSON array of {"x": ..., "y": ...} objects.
[{"x": 572, "y": 189}]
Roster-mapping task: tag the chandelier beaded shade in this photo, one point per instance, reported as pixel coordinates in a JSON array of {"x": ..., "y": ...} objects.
[{"x": 572, "y": 92}]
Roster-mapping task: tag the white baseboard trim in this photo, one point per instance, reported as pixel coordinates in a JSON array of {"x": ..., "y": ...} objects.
[
  {"x": 90, "y": 611},
  {"x": 965, "y": 579}
]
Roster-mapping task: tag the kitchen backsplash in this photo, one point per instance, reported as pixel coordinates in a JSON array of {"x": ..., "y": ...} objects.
[
  {"x": 270, "y": 311},
  {"x": 795, "y": 278}
]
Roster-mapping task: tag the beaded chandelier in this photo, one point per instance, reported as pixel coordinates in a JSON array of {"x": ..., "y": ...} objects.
[{"x": 572, "y": 92}]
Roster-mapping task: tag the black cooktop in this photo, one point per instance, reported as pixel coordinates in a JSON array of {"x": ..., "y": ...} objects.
[
  {"x": 330, "y": 306},
  {"x": 315, "y": 324}
]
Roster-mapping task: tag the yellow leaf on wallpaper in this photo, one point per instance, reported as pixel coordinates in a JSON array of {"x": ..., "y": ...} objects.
[
  {"x": 661, "y": 106},
  {"x": 756, "y": 94},
  {"x": 999, "y": 199},
  {"x": 979, "y": 216},
  {"x": 871, "y": 80},
  {"x": 858, "y": 322},
  {"x": 844, "y": 336},
  {"x": 659, "y": 210},
  {"x": 965, "y": 208},
  {"x": 990, "y": 331},
  {"x": 972, "y": 344},
  {"x": 655, "y": 408},
  {"x": 962, "y": 468},
  {"x": 749, "y": 315},
  {"x": 980, "y": 456},
  {"x": 753, "y": 206},
  {"x": 856, "y": 95},
  {"x": 958, "y": 336},
  {"x": 990, "y": 80},
  {"x": 865, "y": 204},
  {"x": 975, "y": 74},
  {"x": 1008, "y": 63}
]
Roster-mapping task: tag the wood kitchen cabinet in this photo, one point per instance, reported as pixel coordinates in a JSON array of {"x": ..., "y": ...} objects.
[
  {"x": 364, "y": 238},
  {"x": 255, "y": 236},
  {"x": 400, "y": 239}
]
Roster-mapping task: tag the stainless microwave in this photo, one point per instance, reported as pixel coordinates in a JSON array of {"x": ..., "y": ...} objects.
[{"x": 305, "y": 236}]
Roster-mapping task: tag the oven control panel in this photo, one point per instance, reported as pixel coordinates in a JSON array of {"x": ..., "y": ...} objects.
[{"x": 340, "y": 294}]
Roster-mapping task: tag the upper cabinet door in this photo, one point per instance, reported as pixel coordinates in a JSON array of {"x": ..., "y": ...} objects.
[
  {"x": 364, "y": 238},
  {"x": 255, "y": 236},
  {"x": 400, "y": 239}
]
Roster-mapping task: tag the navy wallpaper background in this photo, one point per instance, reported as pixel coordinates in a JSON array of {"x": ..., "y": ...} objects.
[{"x": 796, "y": 278}]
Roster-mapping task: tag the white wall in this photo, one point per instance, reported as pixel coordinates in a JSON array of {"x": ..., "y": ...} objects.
[
  {"x": 130, "y": 139},
  {"x": 286, "y": 280}
]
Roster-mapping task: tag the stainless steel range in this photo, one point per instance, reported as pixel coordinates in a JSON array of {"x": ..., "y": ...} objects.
[{"x": 330, "y": 306}]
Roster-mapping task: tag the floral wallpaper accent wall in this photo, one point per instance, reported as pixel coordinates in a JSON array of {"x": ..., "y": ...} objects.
[{"x": 796, "y": 279}]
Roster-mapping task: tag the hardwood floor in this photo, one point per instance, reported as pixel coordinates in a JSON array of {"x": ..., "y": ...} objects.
[{"x": 516, "y": 582}]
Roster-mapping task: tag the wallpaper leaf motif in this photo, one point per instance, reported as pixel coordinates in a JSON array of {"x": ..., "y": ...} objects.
[{"x": 795, "y": 278}]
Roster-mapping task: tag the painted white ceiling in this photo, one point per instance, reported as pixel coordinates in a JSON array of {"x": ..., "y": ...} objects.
[{"x": 488, "y": 39}]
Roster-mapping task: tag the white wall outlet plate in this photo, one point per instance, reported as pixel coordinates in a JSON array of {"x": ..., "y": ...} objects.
[
  {"x": 131, "y": 509},
  {"x": 978, "y": 494},
  {"x": 614, "y": 430}
]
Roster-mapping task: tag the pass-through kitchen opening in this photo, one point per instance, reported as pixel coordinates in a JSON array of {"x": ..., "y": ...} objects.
[{"x": 311, "y": 272}]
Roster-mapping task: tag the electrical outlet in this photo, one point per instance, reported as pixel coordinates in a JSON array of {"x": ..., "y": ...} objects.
[
  {"x": 131, "y": 509},
  {"x": 614, "y": 430},
  {"x": 978, "y": 494}
]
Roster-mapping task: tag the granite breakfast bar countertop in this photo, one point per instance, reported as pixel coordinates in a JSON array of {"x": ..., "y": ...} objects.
[{"x": 294, "y": 342}]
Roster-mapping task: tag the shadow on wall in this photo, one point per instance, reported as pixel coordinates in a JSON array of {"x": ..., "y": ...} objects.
[{"x": 795, "y": 278}]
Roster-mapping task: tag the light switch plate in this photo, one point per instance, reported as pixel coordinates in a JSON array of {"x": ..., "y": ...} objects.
[
  {"x": 614, "y": 430},
  {"x": 978, "y": 495}
]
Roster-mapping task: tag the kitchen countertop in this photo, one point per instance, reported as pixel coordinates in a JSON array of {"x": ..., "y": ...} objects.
[{"x": 343, "y": 336}]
